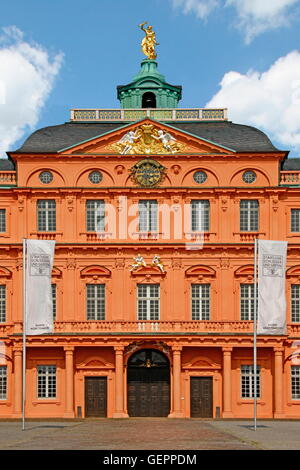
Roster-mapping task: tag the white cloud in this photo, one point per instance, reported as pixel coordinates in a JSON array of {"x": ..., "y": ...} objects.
[
  {"x": 269, "y": 100},
  {"x": 257, "y": 16},
  {"x": 27, "y": 76},
  {"x": 202, "y": 8},
  {"x": 254, "y": 17}
]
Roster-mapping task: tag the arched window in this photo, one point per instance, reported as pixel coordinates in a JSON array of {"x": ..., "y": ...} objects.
[{"x": 149, "y": 100}]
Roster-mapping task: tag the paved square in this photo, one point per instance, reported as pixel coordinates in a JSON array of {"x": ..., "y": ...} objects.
[{"x": 149, "y": 434}]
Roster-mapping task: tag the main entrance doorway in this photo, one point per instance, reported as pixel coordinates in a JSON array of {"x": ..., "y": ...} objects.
[
  {"x": 201, "y": 397},
  {"x": 148, "y": 376},
  {"x": 95, "y": 397}
]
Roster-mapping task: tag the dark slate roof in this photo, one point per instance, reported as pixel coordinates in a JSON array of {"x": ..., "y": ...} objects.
[
  {"x": 227, "y": 134},
  {"x": 6, "y": 164},
  {"x": 291, "y": 164}
]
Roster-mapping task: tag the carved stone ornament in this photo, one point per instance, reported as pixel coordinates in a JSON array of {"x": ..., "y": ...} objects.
[
  {"x": 147, "y": 173},
  {"x": 147, "y": 139}
]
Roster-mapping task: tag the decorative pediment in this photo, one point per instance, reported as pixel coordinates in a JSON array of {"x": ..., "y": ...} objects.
[
  {"x": 95, "y": 363},
  {"x": 245, "y": 271},
  {"x": 294, "y": 271},
  {"x": 146, "y": 137},
  {"x": 147, "y": 272},
  {"x": 4, "y": 272},
  {"x": 201, "y": 363},
  {"x": 56, "y": 272},
  {"x": 200, "y": 270},
  {"x": 98, "y": 271}
]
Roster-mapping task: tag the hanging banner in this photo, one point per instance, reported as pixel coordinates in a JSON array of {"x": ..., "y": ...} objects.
[
  {"x": 271, "y": 287},
  {"x": 39, "y": 308}
]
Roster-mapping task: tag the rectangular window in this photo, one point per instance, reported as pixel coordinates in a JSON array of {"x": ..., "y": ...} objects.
[
  {"x": 200, "y": 301},
  {"x": 53, "y": 290},
  {"x": 46, "y": 215},
  {"x": 148, "y": 302},
  {"x": 2, "y": 304},
  {"x": 148, "y": 216},
  {"x": 295, "y": 376},
  {"x": 200, "y": 219},
  {"x": 2, "y": 220},
  {"x": 95, "y": 298},
  {"x": 247, "y": 381},
  {"x": 46, "y": 381},
  {"x": 295, "y": 307},
  {"x": 95, "y": 215},
  {"x": 295, "y": 220},
  {"x": 247, "y": 301},
  {"x": 3, "y": 382},
  {"x": 249, "y": 219}
]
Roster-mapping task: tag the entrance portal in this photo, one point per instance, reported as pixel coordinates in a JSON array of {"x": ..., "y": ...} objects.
[
  {"x": 95, "y": 397},
  {"x": 148, "y": 376},
  {"x": 201, "y": 397}
]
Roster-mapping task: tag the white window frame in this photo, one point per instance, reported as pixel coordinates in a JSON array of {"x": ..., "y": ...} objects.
[
  {"x": 200, "y": 215},
  {"x": 3, "y": 303},
  {"x": 148, "y": 215},
  {"x": 3, "y": 382},
  {"x": 295, "y": 220},
  {"x": 95, "y": 215},
  {"x": 46, "y": 216},
  {"x": 148, "y": 306},
  {"x": 295, "y": 382},
  {"x": 201, "y": 299},
  {"x": 249, "y": 215},
  {"x": 49, "y": 374},
  {"x": 247, "y": 382},
  {"x": 95, "y": 302}
]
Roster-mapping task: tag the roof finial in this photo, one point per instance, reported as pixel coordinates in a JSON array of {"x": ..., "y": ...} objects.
[{"x": 149, "y": 42}]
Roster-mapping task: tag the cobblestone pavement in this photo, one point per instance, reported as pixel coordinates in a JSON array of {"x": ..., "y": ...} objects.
[
  {"x": 271, "y": 435},
  {"x": 120, "y": 434}
]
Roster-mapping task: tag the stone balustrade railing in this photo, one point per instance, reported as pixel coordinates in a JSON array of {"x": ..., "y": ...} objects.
[
  {"x": 188, "y": 327},
  {"x": 160, "y": 114},
  {"x": 8, "y": 178},
  {"x": 290, "y": 177}
]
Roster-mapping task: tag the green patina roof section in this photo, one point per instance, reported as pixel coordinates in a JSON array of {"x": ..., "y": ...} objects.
[{"x": 149, "y": 79}]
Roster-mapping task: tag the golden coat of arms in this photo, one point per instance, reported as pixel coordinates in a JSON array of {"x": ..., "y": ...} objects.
[
  {"x": 147, "y": 139},
  {"x": 147, "y": 173}
]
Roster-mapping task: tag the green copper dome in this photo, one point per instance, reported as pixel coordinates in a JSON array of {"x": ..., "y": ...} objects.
[{"x": 149, "y": 89}]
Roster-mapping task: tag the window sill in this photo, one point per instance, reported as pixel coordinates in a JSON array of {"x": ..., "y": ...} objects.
[
  {"x": 250, "y": 401},
  {"x": 46, "y": 401}
]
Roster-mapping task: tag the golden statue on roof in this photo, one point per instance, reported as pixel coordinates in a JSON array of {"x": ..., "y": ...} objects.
[{"x": 149, "y": 42}]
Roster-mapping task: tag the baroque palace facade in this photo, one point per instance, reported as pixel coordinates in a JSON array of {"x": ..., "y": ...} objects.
[{"x": 154, "y": 210}]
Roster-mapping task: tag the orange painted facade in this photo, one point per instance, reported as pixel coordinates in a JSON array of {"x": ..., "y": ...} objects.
[{"x": 216, "y": 348}]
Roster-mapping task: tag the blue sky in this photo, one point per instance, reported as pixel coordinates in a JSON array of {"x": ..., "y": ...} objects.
[{"x": 74, "y": 54}]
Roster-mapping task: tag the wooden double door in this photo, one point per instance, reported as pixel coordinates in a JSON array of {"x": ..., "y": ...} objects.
[
  {"x": 201, "y": 392},
  {"x": 95, "y": 397},
  {"x": 148, "y": 377}
]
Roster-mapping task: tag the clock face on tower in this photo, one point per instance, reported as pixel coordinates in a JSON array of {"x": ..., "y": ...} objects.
[{"x": 147, "y": 173}]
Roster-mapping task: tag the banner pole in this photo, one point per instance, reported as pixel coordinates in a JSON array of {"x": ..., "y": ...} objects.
[
  {"x": 24, "y": 336},
  {"x": 255, "y": 332}
]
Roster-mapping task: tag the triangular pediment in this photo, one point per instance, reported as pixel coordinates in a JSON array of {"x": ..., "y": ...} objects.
[{"x": 146, "y": 137}]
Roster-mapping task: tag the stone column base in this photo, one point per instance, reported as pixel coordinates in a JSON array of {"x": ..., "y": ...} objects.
[
  {"x": 176, "y": 414},
  {"x": 69, "y": 414},
  {"x": 120, "y": 414},
  {"x": 227, "y": 414},
  {"x": 279, "y": 415}
]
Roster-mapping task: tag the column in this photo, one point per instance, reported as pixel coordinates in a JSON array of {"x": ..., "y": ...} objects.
[
  {"x": 18, "y": 382},
  {"x": 278, "y": 383},
  {"x": 119, "y": 383},
  {"x": 69, "y": 358},
  {"x": 227, "y": 395},
  {"x": 176, "y": 413}
]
